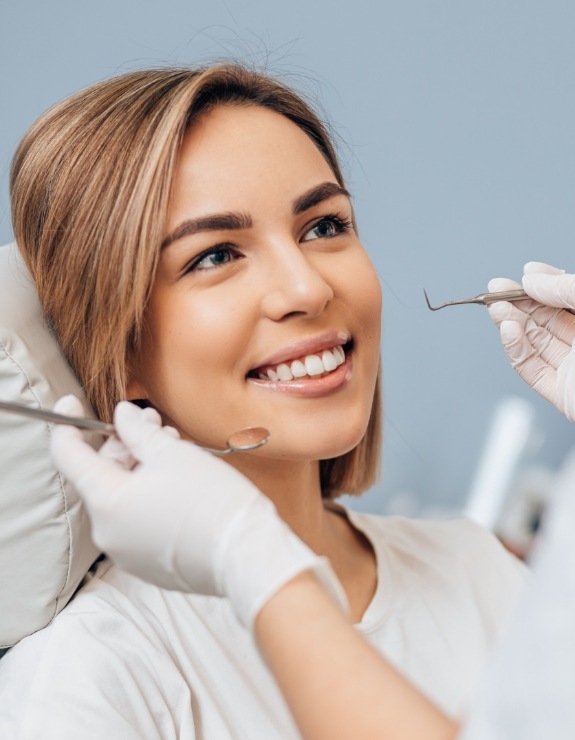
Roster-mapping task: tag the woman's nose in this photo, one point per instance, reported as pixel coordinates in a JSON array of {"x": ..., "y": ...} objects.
[{"x": 296, "y": 286}]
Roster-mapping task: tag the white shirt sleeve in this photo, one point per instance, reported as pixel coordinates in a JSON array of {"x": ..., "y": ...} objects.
[{"x": 528, "y": 690}]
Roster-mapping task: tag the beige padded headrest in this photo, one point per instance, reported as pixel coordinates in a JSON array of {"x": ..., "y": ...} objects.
[{"x": 45, "y": 545}]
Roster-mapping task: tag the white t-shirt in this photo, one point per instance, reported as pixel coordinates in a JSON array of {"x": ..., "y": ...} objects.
[{"x": 127, "y": 660}]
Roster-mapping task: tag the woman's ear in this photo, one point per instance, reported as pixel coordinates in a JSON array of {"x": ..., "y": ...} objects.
[{"x": 135, "y": 390}]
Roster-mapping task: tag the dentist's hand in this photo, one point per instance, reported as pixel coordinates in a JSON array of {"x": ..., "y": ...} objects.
[
  {"x": 174, "y": 515},
  {"x": 538, "y": 334}
]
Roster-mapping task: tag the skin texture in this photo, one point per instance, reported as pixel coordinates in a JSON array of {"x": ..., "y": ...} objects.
[
  {"x": 343, "y": 693},
  {"x": 287, "y": 275}
]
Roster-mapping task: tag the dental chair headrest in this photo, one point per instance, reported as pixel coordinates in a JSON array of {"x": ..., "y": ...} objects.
[{"x": 45, "y": 545}]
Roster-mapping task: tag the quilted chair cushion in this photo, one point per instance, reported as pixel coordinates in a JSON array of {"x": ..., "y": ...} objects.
[{"x": 45, "y": 545}]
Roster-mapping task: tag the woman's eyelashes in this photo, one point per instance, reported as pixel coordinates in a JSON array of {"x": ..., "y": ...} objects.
[
  {"x": 209, "y": 259},
  {"x": 327, "y": 227}
]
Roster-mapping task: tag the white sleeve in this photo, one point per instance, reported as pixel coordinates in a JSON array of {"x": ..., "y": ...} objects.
[{"x": 528, "y": 688}]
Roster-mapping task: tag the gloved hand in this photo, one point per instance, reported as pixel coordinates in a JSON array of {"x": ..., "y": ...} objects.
[
  {"x": 538, "y": 334},
  {"x": 174, "y": 515}
]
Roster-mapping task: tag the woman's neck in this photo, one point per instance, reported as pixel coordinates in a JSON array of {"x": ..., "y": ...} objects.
[{"x": 294, "y": 488}]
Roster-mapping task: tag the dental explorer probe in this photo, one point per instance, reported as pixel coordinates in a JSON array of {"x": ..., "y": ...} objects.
[
  {"x": 243, "y": 441},
  {"x": 483, "y": 298}
]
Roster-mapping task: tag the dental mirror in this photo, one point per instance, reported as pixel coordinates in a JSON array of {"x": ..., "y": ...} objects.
[{"x": 243, "y": 441}]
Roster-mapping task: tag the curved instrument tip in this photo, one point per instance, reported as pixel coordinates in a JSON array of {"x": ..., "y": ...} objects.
[{"x": 431, "y": 308}]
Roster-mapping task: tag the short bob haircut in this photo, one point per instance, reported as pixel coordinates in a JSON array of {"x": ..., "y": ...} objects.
[{"x": 89, "y": 186}]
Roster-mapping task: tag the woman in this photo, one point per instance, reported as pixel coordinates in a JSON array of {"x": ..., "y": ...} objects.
[{"x": 194, "y": 246}]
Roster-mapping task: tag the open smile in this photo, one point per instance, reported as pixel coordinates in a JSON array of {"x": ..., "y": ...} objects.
[
  {"x": 307, "y": 366},
  {"x": 308, "y": 375}
]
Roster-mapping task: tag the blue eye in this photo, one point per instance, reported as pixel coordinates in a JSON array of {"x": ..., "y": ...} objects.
[
  {"x": 214, "y": 257},
  {"x": 327, "y": 228}
]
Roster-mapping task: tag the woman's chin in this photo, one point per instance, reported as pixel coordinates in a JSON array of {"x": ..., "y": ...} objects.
[{"x": 312, "y": 447}]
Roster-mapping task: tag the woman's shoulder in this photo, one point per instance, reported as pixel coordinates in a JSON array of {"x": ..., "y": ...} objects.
[
  {"x": 452, "y": 568},
  {"x": 94, "y": 659},
  {"x": 435, "y": 534},
  {"x": 456, "y": 547}
]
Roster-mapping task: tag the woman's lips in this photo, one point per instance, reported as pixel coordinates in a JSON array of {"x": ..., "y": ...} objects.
[
  {"x": 310, "y": 386},
  {"x": 302, "y": 347}
]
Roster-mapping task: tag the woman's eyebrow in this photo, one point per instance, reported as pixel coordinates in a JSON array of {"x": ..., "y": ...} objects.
[
  {"x": 317, "y": 194},
  {"x": 231, "y": 220},
  {"x": 215, "y": 222}
]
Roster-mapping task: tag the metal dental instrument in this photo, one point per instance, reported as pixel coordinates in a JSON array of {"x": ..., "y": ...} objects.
[
  {"x": 243, "y": 441},
  {"x": 483, "y": 298},
  {"x": 73, "y": 421}
]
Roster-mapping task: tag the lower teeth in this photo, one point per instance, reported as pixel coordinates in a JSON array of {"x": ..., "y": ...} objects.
[{"x": 301, "y": 377}]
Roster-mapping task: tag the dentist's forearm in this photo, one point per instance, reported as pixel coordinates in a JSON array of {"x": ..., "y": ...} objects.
[{"x": 336, "y": 685}]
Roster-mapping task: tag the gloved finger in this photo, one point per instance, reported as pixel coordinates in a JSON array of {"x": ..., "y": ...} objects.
[
  {"x": 551, "y": 349},
  {"x": 496, "y": 285},
  {"x": 527, "y": 361},
  {"x": 506, "y": 311},
  {"x": 152, "y": 415},
  {"x": 172, "y": 432},
  {"x": 144, "y": 438},
  {"x": 538, "y": 267},
  {"x": 83, "y": 466},
  {"x": 552, "y": 290},
  {"x": 565, "y": 386},
  {"x": 559, "y": 322},
  {"x": 70, "y": 406},
  {"x": 114, "y": 449},
  {"x": 75, "y": 458}
]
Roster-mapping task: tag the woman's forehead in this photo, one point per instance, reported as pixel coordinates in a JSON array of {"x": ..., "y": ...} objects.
[
  {"x": 246, "y": 135},
  {"x": 235, "y": 156}
]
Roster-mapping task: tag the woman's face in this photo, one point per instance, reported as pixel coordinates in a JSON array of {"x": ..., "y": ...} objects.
[{"x": 265, "y": 310}]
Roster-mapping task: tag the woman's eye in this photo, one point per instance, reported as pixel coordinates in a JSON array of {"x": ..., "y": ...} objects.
[
  {"x": 327, "y": 228},
  {"x": 212, "y": 258}
]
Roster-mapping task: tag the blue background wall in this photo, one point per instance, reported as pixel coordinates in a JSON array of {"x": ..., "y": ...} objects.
[{"x": 456, "y": 122}]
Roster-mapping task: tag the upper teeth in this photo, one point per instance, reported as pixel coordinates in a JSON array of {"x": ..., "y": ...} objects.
[{"x": 311, "y": 365}]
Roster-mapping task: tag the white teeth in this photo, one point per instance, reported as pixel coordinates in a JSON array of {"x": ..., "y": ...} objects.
[
  {"x": 284, "y": 373},
  {"x": 329, "y": 361},
  {"x": 298, "y": 369},
  {"x": 313, "y": 365}
]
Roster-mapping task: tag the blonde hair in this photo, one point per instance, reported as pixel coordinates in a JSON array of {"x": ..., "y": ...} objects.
[{"x": 90, "y": 184}]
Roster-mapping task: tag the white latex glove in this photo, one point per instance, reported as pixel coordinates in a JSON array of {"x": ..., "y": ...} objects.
[
  {"x": 176, "y": 516},
  {"x": 538, "y": 334}
]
